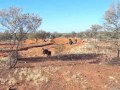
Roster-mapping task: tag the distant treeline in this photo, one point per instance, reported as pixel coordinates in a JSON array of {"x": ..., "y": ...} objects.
[{"x": 43, "y": 35}]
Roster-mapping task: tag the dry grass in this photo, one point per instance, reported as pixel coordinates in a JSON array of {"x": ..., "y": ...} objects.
[
  {"x": 59, "y": 49},
  {"x": 35, "y": 75}
]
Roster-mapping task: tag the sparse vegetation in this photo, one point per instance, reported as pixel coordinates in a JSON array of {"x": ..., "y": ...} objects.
[
  {"x": 112, "y": 23},
  {"x": 18, "y": 25},
  {"x": 47, "y": 61},
  {"x": 58, "y": 50}
]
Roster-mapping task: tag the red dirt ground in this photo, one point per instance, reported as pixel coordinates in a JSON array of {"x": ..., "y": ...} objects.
[
  {"x": 65, "y": 40},
  {"x": 36, "y": 52},
  {"x": 77, "y": 72}
]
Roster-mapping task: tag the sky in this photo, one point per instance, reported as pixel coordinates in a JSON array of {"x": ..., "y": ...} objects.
[{"x": 63, "y": 15}]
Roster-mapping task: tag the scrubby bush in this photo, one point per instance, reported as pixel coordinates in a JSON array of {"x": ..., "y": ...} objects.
[
  {"x": 39, "y": 35},
  {"x": 58, "y": 50},
  {"x": 5, "y": 36}
]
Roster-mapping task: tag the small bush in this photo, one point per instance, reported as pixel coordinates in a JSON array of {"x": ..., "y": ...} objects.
[{"x": 58, "y": 50}]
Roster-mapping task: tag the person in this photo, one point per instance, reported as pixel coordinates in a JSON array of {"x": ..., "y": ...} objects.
[
  {"x": 70, "y": 42},
  {"x": 75, "y": 41}
]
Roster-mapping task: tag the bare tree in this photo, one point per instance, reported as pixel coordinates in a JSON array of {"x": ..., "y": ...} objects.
[
  {"x": 18, "y": 24},
  {"x": 112, "y": 23}
]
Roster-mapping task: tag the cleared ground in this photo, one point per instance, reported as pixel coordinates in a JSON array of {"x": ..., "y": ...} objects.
[{"x": 82, "y": 66}]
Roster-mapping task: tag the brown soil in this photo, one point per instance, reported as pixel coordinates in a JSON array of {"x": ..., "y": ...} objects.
[
  {"x": 72, "y": 71},
  {"x": 65, "y": 40}
]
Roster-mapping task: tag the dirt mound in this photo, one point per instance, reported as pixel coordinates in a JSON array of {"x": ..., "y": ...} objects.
[
  {"x": 31, "y": 48},
  {"x": 33, "y": 41},
  {"x": 37, "y": 51},
  {"x": 59, "y": 40},
  {"x": 65, "y": 40}
]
